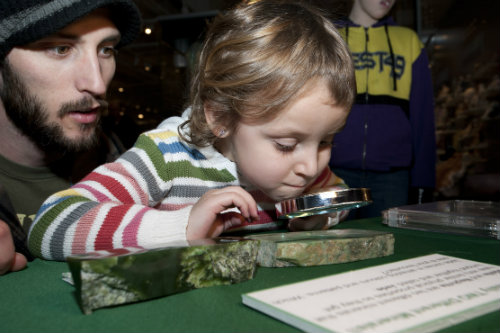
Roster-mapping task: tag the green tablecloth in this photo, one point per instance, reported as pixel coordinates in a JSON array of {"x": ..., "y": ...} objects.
[{"x": 37, "y": 300}]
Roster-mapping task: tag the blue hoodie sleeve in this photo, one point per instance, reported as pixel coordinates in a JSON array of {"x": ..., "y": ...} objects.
[{"x": 423, "y": 171}]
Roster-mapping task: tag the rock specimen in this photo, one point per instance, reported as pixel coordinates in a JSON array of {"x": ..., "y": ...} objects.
[
  {"x": 322, "y": 247},
  {"x": 131, "y": 275}
]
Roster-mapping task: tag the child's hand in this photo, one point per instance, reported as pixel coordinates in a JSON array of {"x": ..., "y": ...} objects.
[
  {"x": 314, "y": 222},
  {"x": 205, "y": 220}
]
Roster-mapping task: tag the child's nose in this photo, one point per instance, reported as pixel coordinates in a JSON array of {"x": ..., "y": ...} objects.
[{"x": 307, "y": 165}]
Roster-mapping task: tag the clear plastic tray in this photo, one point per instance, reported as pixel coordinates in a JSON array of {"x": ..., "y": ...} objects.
[{"x": 465, "y": 217}]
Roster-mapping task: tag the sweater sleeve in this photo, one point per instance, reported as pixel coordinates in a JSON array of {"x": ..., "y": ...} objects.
[
  {"x": 117, "y": 205},
  {"x": 423, "y": 171}
]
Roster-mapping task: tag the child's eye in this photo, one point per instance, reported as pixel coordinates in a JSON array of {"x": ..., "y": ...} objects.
[{"x": 284, "y": 148}]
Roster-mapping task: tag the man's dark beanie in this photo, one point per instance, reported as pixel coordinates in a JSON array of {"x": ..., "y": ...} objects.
[{"x": 25, "y": 21}]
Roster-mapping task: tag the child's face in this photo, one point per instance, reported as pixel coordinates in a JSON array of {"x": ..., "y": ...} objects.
[
  {"x": 375, "y": 9},
  {"x": 282, "y": 157}
]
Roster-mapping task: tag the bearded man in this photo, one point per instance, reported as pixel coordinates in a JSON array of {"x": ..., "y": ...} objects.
[{"x": 57, "y": 59}]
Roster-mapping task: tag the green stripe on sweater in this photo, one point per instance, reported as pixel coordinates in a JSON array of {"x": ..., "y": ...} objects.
[
  {"x": 40, "y": 228},
  {"x": 179, "y": 169}
]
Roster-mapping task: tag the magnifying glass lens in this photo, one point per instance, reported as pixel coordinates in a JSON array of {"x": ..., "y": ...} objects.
[{"x": 326, "y": 201}]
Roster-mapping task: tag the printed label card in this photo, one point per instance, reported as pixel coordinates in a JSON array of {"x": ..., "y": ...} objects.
[{"x": 422, "y": 294}]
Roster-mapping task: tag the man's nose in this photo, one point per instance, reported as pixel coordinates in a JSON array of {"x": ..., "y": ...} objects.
[{"x": 90, "y": 76}]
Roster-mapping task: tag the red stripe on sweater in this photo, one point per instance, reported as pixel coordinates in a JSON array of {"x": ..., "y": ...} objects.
[
  {"x": 322, "y": 178},
  {"x": 112, "y": 185},
  {"x": 129, "y": 237},
  {"x": 265, "y": 217},
  {"x": 101, "y": 197},
  {"x": 119, "y": 168},
  {"x": 104, "y": 239},
  {"x": 82, "y": 231}
]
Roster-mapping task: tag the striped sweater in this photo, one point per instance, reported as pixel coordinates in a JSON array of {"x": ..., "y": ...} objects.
[{"x": 143, "y": 199}]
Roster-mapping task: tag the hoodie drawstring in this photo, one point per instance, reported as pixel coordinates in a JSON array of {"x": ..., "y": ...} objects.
[{"x": 394, "y": 83}]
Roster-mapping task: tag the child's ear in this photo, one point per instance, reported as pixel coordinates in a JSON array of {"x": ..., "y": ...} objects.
[
  {"x": 208, "y": 109},
  {"x": 219, "y": 130}
]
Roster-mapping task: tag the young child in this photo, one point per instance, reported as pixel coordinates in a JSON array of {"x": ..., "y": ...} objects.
[{"x": 274, "y": 83}]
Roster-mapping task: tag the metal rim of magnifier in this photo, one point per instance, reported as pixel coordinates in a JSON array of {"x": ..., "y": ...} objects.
[{"x": 323, "y": 202}]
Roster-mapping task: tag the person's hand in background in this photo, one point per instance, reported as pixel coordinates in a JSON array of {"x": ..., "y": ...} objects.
[{"x": 10, "y": 260}]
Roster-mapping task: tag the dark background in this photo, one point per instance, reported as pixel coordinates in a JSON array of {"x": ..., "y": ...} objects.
[{"x": 462, "y": 39}]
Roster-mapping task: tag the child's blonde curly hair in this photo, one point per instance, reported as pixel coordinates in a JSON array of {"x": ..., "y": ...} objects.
[{"x": 255, "y": 60}]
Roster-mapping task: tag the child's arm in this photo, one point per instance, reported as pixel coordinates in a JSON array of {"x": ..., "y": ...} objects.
[
  {"x": 110, "y": 208},
  {"x": 127, "y": 203}
]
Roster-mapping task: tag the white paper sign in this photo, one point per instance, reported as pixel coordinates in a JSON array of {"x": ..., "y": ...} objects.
[{"x": 423, "y": 294}]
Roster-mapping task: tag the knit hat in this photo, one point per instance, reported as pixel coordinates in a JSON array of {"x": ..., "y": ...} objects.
[{"x": 25, "y": 21}]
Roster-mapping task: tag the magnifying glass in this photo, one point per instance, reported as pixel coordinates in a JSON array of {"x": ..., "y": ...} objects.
[{"x": 323, "y": 202}]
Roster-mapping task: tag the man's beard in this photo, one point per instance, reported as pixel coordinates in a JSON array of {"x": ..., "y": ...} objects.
[{"x": 31, "y": 118}]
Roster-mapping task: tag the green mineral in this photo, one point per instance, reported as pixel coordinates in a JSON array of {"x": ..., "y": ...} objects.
[
  {"x": 322, "y": 247},
  {"x": 132, "y": 275},
  {"x": 109, "y": 279}
]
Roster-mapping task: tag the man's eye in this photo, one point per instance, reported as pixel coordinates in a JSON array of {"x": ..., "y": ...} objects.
[
  {"x": 326, "y": 143},
  {"x": 109, "y": 51},
  {"x": 61, "y": 49}
]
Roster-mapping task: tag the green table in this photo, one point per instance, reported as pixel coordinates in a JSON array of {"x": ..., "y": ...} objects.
[{"x": 37, "y": 300}]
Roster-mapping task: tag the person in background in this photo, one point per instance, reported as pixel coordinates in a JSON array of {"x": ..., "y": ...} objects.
[
  {"x": 274, "y": 83},
  {"x": 388, "y": 143},
  {"x": 57, "y": 59},
  {"x": 10, "y": 259}
]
